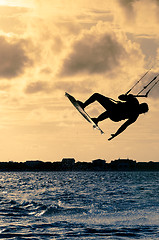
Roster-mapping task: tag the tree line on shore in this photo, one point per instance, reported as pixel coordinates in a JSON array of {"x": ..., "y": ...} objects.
[{"x": 69, "y": 164}]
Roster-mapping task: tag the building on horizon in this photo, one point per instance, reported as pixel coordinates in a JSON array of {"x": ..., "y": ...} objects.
[
  {"x": 99, "y": 164},
  {"x": 123, "y": 164},
  {"x": 68, "y": 161}
]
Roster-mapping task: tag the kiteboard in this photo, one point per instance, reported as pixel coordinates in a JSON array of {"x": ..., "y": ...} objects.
[{"x": 82, "y": 111}]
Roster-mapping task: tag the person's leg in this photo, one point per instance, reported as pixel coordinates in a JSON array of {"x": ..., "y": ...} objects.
[
  {"x": 104, "y": 101},
  {"x": 101, "y": 117}
]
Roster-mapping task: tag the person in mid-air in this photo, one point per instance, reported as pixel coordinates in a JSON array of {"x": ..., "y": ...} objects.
[{"x": 128, "y": 108}]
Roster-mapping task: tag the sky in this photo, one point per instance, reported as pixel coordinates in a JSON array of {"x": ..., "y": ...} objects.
[{"x": 49, "y": 47}]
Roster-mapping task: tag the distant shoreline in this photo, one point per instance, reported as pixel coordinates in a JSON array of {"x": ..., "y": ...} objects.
[{"x": 69, "y": 164}]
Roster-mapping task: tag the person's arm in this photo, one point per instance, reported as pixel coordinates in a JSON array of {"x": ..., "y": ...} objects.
[
  {"x": 122, "y": 128},
  {"x": 125, "y": 97}
]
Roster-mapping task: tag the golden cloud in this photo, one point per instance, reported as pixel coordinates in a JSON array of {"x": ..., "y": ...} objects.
[
  {"x": 93, "y": 54},
  {"x": 38, "y": 86},
  {"x": 100, "y": 51},
  {"x": 13, "y": 57}
]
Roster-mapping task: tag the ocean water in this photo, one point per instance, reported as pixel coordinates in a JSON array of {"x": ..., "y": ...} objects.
[{"x": 79, "y": 205}]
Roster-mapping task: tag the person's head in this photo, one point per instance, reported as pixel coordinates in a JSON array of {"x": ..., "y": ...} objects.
[{"x": 143, "y": 108}]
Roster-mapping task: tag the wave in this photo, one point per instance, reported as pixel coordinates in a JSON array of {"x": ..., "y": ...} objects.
[
  {"x": 16, "y": 209},
  {"x": 66, "y": 229},
  {"x": 79, "y": 206}
]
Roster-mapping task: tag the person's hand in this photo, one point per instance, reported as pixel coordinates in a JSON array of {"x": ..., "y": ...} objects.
[{"x": 112, "y": 136}]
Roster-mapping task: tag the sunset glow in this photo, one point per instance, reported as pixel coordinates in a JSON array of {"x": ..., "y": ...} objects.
[
  {"x": 20, "y": 3},
  {"x": 49, "y": 47}
]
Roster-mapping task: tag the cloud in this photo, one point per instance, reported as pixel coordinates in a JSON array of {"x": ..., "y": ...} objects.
[
  {"x": 100, "y": 50},
  {"x": 11, "y": 19},
  {"x": 84, "y": 86},
  {"x": 93, "y": 54},
  {"x": 128, "y": 5},
  {"x": 137, "y": 16},
  {"x": 38, "y": 86},
  {"x": 4, "y": 86},
  {"x": 13, "y": 57}
]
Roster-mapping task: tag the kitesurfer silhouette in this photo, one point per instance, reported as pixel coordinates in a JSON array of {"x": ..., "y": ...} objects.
[{"x": 127, "y": 108}]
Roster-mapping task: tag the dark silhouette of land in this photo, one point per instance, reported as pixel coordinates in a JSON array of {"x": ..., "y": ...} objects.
[{"x": 69, "y": 164}]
